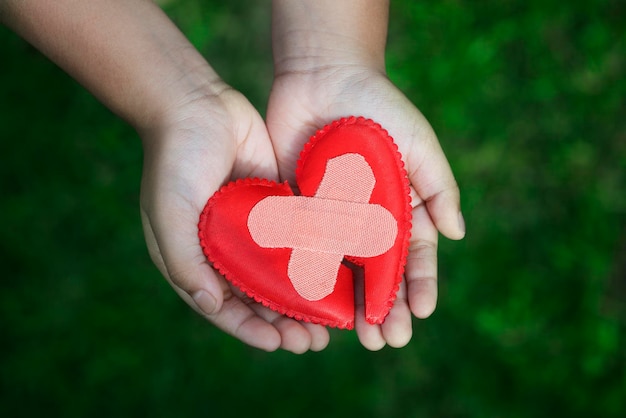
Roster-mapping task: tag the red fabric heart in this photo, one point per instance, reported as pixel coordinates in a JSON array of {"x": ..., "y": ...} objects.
[{"x": 289, "y": 252}]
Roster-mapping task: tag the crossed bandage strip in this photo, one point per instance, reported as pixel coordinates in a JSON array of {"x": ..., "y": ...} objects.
[{"x": 338, "y": 221}]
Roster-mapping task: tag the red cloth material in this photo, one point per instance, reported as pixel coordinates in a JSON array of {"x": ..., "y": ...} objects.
[
  {"x": 285, "y": 251},
  {"x": 321, "y": 230}
]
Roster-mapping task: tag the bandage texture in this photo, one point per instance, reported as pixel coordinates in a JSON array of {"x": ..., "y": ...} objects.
[{"x": 338, "y": 221}]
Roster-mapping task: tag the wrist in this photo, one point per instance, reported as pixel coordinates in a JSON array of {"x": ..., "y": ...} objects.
[
  {"x": 126, "y": 53},
  {"x": 185, "y": 80},
  {"x": 309, "y": 36}
]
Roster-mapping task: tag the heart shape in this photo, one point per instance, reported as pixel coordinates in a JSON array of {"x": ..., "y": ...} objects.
[{"x": 296, "y": 253}]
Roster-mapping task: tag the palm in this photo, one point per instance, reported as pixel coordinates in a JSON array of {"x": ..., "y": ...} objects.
[
  {"x": 186, "y": 161},
  {"x": 300, "y": 104}
]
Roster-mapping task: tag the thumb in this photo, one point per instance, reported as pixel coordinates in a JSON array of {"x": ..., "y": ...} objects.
[
  {"x": 431, "y": 176},
  {"x": 178, "y": 256}
]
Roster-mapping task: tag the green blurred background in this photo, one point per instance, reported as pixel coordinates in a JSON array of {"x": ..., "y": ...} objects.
[{"x": 527, "y": 98}]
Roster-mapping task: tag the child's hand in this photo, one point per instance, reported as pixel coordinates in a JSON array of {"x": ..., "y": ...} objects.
[
  {"x": 194, "y": 150},
  {"x": 329, "y": 62},
  {"x": 197, "y": 133},
  {"x": 303, "y": 101}
]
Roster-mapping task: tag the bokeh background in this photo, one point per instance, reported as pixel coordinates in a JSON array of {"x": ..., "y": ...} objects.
[{"x": 527, "y": 98}]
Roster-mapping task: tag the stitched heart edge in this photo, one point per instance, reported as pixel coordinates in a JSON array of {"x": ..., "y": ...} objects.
[
  {"x": 406, "y": 221},
  {"x": 318, "y": 136},
  {"x": 240, "y": 284}
]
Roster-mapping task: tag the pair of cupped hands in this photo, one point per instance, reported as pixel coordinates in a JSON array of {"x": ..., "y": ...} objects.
[{"x": 213, "y": 135}]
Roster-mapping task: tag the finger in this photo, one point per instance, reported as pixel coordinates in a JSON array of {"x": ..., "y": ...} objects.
[
  {"x": 421, "y": 265},
  {"x": 207, "y": 298},
  {"x": 397, "y": 329},
  {"x": 320, "y": 337},
  {"x": 296, "y": 337},
  {"x": 231, "y": 316},
  {"x": 242, "y": 322},
  {"x": 183, "y": 264},
  {"x": 370, "y": 335},
  {"x": 431, "y": 175},
  {"x": 255, "y": 154},
  {"x": 208, "y": 293},
  {"x": 445, "y": 210}
]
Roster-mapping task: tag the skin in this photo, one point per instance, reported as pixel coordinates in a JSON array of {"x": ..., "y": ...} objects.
[
  {"x": 199, "y": 133},
  {"x": 329, "y": 63}
]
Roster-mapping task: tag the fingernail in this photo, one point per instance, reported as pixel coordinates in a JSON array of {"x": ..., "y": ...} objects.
[
  {"x": 461, "y": 223},
  {"x": 205, "y": 301}
]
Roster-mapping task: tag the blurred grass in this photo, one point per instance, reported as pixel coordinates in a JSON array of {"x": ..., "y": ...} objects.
[{"x": 528, "y": 101}]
